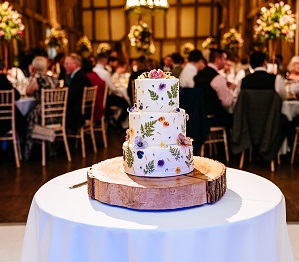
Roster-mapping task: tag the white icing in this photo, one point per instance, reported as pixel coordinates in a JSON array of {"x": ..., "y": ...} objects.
[
  {"x": 155, "y": 161},
  {"x": 157, "y": 95},
  {"x": 156, "y": 128}
]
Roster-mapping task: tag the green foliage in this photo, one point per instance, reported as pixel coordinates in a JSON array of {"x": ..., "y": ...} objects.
[
  {"x": 175, "y": 152},
  {"x": 148, "y": 128},
  {"x": 149, "y": 168},
  {"x": 190, "y": 159},
  {"x": 153, "y": 95},
  {"x": 129, "y": 157}
]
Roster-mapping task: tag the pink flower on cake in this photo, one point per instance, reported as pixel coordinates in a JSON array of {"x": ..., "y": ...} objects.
[
  {"x": 127, "y": 134},
  {"x": 182, "y": 140},
  {"x": 139, "y": 142},
  {"x": 156, "y": 74}
]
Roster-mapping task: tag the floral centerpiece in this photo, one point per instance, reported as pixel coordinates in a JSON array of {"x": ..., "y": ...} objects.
[
  {"x": 84, "y": 46},
  {"x": 232, "y": 40},
  {"x": 208, "y": 43},
  {"x": 187, "y": 48},
  {"x": 275, "y": 21},
  {"x": 141, "y": 37},
  {"x": 56, "y": 38},
  {"x": 10, "y": 22},
  {"x": 103, "y": 48}
]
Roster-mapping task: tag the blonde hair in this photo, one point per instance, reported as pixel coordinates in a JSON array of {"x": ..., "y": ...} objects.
[
  {"x": 40, "y": 64},
  {"x": 76, "y": 59},
  {"x": 294, "y": 60}
]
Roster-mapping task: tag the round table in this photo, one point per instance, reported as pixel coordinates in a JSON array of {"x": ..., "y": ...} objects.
[{"x": 247, "y": 224}]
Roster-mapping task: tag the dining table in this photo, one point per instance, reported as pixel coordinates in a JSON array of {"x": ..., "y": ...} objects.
[{"x": 247, "y": 224}]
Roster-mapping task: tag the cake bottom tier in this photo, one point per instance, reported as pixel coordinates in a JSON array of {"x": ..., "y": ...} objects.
[{"x": 155, "y": 161}]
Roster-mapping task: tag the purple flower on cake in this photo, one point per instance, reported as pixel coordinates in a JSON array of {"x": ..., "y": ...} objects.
[
  {"x": 140, "y": 154},
  {"x": 132, "y": 109},
  {"x": 182, "y": 140},
  {"x": 139, "y": 142},
  {"x": 162, "y": 86},
  {"x": 140, "y": 106},
  {"x": 161, "y": 163}
]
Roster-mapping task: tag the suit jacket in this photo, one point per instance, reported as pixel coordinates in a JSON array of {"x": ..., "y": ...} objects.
[
  {"x": 74, "y": 117},
  {"x": 257, "y": 121}
]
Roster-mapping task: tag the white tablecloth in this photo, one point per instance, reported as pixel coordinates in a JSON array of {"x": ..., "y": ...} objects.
[
  {"x": 247, "y": 224},
  {"x": 25, "y": 104}
]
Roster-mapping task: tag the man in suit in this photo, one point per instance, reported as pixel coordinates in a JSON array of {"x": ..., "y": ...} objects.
[
  {"x": 217, "y": 95},
  {"x": 260, "y": 79},
  {"x": 77, "y": 81}
]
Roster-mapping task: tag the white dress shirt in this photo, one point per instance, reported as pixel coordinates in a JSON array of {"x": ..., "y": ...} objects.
[{"x": 186, "y": 76}]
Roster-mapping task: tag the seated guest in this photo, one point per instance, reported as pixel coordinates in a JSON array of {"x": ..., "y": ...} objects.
[
  {"x": 216, "y": 94},
  {"x": 114, "y": 97},
  {"x": 195, "y": 63},
  {"x": 261, "y": 80},
  {"x": 293, "y": 75},
  {"x": 39, "y": 79},
  {"x": 19, "y": 119},
  {"x": 78, "y": 80},
  {"x": 95, "y": 81},
  {"x": 138, "y": 69},
  {"x": 177, "y": 68}
]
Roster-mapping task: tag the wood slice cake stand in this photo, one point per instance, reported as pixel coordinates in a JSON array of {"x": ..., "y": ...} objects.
[{"x": 108, "y": 183}]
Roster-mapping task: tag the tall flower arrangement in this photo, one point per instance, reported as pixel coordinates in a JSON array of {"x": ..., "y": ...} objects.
[
  {"x": 141, "y": 37},
  {"x": 232, "y": 40},
  {"x": 56, "y": 38},
  {"x": 10, "y": 22},
  {"x": 208, "y": 43},
  {"x": 84, "y": 46},
  {"x": 275, "y": 21},
  {"x": 103, "y": 48},
  {"x": 187, "y": 48}
]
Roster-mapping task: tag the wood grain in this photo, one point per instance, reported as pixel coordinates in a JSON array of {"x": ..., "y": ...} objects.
[{"x": 108, "y": 183}]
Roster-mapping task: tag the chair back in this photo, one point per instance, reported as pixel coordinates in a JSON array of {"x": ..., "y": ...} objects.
[
  {"x": 105, "y": 98},
  {"x": 53, "y": 106},
  {"x": 257, "y": 122},
  {"x": 7, "y": 107},
  {"x": 88, "y": 102}
]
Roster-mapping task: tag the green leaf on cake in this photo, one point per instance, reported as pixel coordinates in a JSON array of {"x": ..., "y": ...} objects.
[
  {"x": 171, "y": 103},
  {"x": 148, "y": 129},
  {"x": 174, "y": 90},
  {"x": 169, "y": 95},
  {"x": 153, "y": 95},
  {"x": 129, "y": 157},
  {"x": 175, "y": 152},
  {"x": 149, "y": 168},
  {"x": 190, "y": 159}
]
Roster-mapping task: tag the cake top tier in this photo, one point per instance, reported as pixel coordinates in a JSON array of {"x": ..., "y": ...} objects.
[{"x": 156, "y": 91}]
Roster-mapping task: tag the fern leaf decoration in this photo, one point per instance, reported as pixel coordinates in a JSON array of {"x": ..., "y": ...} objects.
[
  {"x": 175, "y": 152},
  {"x": 171, "y": 103},
  {"x": 149, "y": 168},
  {"x": 153, "y": 95},
  {"x": 169, "y": 95},
  {"x": 174, "y": 90},
  {"x": 148, "y": 129},
  {"x": 189, "y": 158},
  {"x": 129, "y": 157}
]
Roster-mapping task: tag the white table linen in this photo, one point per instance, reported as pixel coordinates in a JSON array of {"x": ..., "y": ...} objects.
[
  {"x": 25, "y": 104},
  {"x": 247, "y": 224}
]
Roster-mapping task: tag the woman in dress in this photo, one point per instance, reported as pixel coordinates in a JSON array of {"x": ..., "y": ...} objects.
[{"x": 38, "y": 80}]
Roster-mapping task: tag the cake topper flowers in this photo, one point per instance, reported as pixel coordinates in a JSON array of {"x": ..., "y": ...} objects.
[
  {"x": 156, "y": 74},
  {"x": 182, "y": 140}
]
